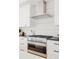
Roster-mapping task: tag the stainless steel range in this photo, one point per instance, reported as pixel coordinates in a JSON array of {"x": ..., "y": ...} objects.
[{"x": 37, "y": 45}]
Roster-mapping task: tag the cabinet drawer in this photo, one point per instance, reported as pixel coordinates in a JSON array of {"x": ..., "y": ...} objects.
[
  {"x": 53, "y": 55},
  {"x": 54, "y": 45},
  {"x": 52, "y": 50},
  {"x": 22, "y": 40},
  {"x": 50, "y": 42},
  {"x": 22, "y": 48},
  {"x": 22, "y": 43}
]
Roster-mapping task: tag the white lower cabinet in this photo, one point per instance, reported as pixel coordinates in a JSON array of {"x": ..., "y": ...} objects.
[
  {"x": 22, "y": 44},
  {"x": 52, "y": 49}
]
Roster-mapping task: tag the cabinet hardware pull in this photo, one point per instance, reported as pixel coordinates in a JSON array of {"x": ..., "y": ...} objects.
[
  {"x": 56, "y": 51},
  {"x": 56, "y": 44},
  {"x": 21, "y": 49}
]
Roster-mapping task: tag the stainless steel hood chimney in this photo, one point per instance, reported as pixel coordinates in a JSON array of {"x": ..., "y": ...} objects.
[{"x": 44, "y": 13}]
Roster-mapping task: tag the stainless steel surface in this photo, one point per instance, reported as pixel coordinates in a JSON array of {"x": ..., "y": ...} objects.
[
  {"x": 37, "y": 46},
  {"x": 37, "y": 53}
]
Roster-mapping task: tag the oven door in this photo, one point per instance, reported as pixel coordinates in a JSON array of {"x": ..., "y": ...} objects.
[{"x": 37, "y": 50}]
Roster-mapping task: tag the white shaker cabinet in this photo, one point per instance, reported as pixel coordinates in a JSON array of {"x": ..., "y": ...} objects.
[
  {"x": 22, "y": 44},
  {"x": 52, "y": 49},
  {"x": 24, "y": 14}
]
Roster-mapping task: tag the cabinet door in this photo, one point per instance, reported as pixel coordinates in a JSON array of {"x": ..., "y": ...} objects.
[
  {"x": 24, "y": 15},
  {"x": 52, "y": 49}
]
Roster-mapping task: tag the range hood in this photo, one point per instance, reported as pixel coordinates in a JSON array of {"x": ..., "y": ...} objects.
[
  {"x": 43, "y": 9},
  {"x": 41, "y": 16}
]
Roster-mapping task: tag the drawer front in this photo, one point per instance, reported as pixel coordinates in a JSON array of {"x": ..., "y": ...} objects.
[
  {"x": 54, "y": 45},
  {"x": 22, "y": 48},
  {"x": 52, "y": 50},
  {"x": 53, "y": 56},
  {"x": 22, "y": 40},
  {"x": 22, "y": 44},
  {"x": 50, "y": 42}
]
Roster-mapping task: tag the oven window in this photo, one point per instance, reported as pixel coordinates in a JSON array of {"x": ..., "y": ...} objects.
[{"x": 40, "y": 49}]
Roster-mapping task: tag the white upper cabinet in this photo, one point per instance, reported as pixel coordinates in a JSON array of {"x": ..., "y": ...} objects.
[{"x": 24, "y": 16}]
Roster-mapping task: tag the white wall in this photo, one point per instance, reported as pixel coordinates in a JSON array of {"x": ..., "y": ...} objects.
[{"x": 45, "y": 27}]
